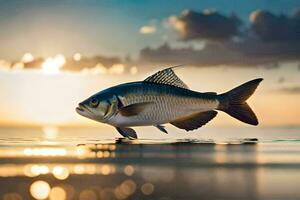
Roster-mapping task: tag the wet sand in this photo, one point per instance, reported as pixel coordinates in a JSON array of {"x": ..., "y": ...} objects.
[{"x": 151, "y": 169}]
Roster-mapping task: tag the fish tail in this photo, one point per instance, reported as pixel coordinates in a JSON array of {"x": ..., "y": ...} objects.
[{"x": 234, "y": 103}]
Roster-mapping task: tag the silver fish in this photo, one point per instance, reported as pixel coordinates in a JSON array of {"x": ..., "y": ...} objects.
[{"x": 164, "y": 98}]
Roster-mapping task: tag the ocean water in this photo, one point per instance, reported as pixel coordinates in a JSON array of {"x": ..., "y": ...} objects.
[{"x": 90, "y": 163}]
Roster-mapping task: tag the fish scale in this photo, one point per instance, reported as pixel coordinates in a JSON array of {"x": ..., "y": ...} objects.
[{"x": 169, "y": 103}]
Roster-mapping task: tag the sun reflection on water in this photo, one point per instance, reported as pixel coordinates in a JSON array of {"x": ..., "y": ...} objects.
[
  {"x": 40, "y": 189},
  {"x": 60, "y": 172},
  {"x": 45, "y": 151},
  {"x": 50, "y": 132},
  {"x": 147, "y": 188},
  {"x": 129, "y": 170},
  {"x": 57, "y": 193}
]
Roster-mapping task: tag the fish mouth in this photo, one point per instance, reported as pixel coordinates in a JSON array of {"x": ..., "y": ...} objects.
[{"x": 81, "y": 109}]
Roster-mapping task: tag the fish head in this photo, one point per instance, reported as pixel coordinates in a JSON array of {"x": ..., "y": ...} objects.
[{"x": 97, "y": 107}]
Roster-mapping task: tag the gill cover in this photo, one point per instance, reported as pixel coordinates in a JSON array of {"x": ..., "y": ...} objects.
[{"x": 113, "y": 107}]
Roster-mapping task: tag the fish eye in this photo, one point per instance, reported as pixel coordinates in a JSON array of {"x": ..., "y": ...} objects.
[{"x": 94, "y": 102}]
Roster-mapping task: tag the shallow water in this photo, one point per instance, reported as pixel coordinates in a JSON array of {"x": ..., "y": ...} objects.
[{"x": 89, "y": 167}]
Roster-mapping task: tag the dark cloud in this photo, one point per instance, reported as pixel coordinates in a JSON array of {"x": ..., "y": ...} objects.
[
  {"x": 245, "y": 53},
  {"x": 205, "y": 25},
  {"x": 270, "y": 27},
  {"x": 269, "y": 39}
]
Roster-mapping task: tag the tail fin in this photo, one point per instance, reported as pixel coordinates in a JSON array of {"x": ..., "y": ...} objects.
[{"x": 234, "y": 103}]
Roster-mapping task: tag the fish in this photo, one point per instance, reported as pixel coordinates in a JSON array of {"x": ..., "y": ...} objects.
[{"x": 164, "y": 98}]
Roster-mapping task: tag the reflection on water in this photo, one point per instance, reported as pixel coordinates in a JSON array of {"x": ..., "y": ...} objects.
[
  {"x": 151, "y": 169},
  {"x": 40, "y": 189}
]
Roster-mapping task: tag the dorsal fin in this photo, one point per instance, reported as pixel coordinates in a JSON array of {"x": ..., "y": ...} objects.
[{"x": 168, "y": 77}]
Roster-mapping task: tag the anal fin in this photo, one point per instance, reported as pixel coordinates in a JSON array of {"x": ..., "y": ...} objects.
[
  {"x": 127, "y": 132},
  {"x": 194, "y": 121}
]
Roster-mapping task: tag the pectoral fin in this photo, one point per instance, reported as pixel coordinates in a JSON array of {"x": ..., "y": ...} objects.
[
  {"x": 162, "y": 128},
  {"x": 134, "y": 109},
  {"x": 127, "y": 132},
  {"x": 194, "y": 121}
]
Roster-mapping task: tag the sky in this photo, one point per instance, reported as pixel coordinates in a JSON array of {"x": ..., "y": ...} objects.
[
  {"x": 86, "y": 46},
  {"x": 106, "y": 27}
]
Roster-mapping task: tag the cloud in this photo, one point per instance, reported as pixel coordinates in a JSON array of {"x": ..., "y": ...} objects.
[
  {"x": 91, "y": 62},
  {"x": 268, "y": 40},
  {"x": 290, "y": 90},
  {"x": 84, "y": 63},
  {"x": 208, "y": 24},
  {"x": 148, "y": 29},
  {"x": 246, "y": 53},
  {"x": 270, "y": 27}
]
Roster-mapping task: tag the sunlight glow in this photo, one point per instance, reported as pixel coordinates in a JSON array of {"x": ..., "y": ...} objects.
[
  {"x": 52, "y": 65},
  {"x": 50, "y": 132},
  {"x": 27, "y": 57},
  {"x": 117, "y": 69},
  {"x": 253, "y": 16},
  {"x": 77, "y": 57},
  {"x": 18, "y": 66},
  {"x": 99, "y": 69},
  {"x": 177, "y": 24},
  {"x": 147, "y": 29},
  {"x": 4, "y": 64},
  {"x": 133, "y": 70}
]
